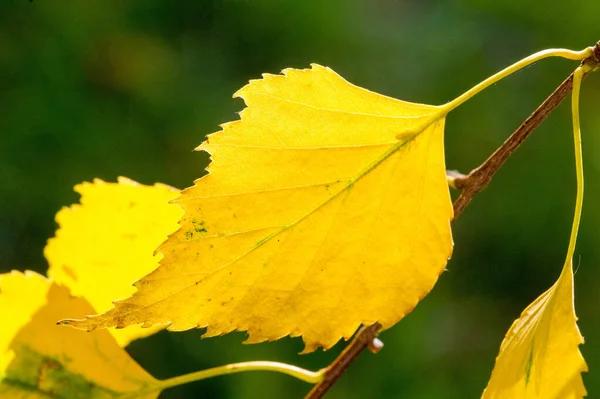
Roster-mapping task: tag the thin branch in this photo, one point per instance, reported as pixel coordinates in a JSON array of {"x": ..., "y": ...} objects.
[
  {"x": 480, "y": 177},
  {"x": 365, "y": 338},
  {"x": 471, "y": 185}
]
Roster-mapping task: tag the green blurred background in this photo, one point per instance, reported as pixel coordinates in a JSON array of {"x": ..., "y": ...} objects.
[{"x": 102, "y": 88}]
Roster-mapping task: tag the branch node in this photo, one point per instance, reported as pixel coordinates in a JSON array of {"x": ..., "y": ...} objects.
[
  {"x": 594, "y": 60},
  {"x": 456, "y": 180},
  {"x": 375, "y": 345},
  {"x": 363, "y": 339}
]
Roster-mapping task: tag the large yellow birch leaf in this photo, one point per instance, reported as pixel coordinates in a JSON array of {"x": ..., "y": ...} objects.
[
  {"x": 39, "y": 359},
  {"x": 107, "y": 242},
  {"x": 326, "y": 206},
  {"x": 539, "y": 357}
]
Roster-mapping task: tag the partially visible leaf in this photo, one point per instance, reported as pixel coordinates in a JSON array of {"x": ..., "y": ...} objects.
[
  {"x": 42, "y": 360},
  {"x": 107, "y": 243},
  {"x": 540, "y": 357},
  {"x": 326, "y": 206},
  {"x": 20, "y": 297}
]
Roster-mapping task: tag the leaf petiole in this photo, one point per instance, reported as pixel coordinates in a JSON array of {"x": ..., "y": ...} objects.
[
  {"x": 312, "y": 377},
  {"x": 577, "y": 78},
  {"x": 563, "y": 53}
]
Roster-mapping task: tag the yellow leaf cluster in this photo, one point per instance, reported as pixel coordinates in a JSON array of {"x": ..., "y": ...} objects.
[
  {"x": 39, "y": 359},
  {"x": 539, "y": 358},
  {"x": 103, "y": 246},
  {"x": 107, "y": 242},
  {"x": 326, "y": 206}
]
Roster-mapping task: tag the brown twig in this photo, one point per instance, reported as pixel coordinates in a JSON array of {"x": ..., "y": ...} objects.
[
  {"x": 470, "y": 185},
  {"x": 480, "y": 177},
  {"x": 363, "y": 339}
]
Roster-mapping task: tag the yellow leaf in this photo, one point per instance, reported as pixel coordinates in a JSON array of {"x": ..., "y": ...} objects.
[
  {"x": 326, "y": 206},
  {"x": 539, "y": 357},
  {"x": 40, "y": 359},
  {"x": 107, "y": 243},
  {"x": 16, "y": 317}
]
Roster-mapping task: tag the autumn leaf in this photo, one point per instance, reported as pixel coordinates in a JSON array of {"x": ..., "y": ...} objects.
[
  {"x": 107, "y": 242},
  {"x": 39, "y": 359},
  {"x": 539, "y": 357},
  {"x": 326, "y": 206}
]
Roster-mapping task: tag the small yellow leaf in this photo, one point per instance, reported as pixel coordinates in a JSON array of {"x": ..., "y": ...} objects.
[
  {"x": 40, "y": 359},
  {"x": 107, "y": 243},
  {"x": 326, "y": 206},
  {"x": 15, "y": 315},
  {"x": 539, "y": 357}
]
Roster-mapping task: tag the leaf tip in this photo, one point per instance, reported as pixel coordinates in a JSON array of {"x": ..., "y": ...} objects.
[
  {"x": 79, "y": 324},
  {"x": 75, "y": 323}
]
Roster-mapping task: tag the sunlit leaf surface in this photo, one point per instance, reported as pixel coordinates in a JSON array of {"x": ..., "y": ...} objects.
[
  {"x": 540, "y": 357},
  {"x": 42, "y": 360},
  {"x": 326, "y": 206},
  {"x": 107, "y": 242}
]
